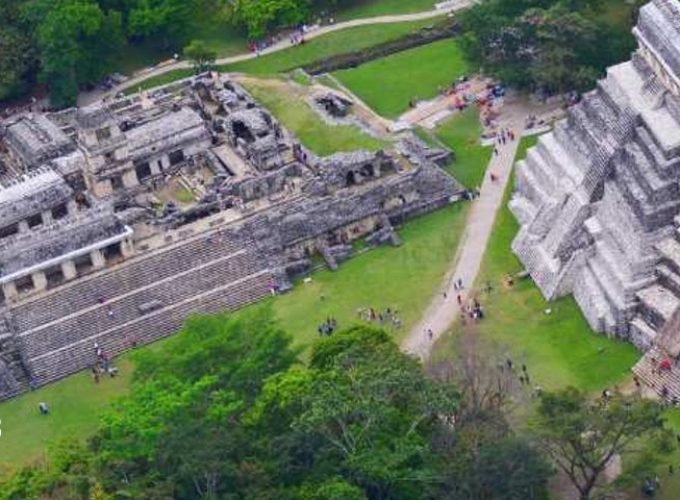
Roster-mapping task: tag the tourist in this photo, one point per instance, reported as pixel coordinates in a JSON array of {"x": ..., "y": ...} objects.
[
  {"x": 460, "y": 283},
  {"x": 430, "y": 334},
  {"x": 95, "y": 374},
  {"x": 43, "y": 408},
  {"x": 459, "y": 299}
]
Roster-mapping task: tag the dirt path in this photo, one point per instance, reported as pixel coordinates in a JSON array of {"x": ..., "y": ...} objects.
[
  {"x": 444, "y": 308},
  {"x": 86, "y": 98}
]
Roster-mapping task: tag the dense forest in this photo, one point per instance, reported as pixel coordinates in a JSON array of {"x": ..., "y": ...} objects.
[{"x": 229, "y": 409}]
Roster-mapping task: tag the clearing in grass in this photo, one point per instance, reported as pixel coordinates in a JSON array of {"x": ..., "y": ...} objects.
[{"x": 388, "y": 85}]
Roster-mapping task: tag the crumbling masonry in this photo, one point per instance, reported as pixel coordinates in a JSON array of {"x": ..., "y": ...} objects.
[{"x": 119, "y": 219}]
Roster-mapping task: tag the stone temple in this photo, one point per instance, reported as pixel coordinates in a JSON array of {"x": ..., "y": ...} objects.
[
  {"x": 119, "y": 219},
  {"x": 598, "y": 198}
]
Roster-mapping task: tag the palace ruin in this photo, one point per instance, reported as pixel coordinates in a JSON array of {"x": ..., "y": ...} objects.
[{"x": 119, "y": 219}]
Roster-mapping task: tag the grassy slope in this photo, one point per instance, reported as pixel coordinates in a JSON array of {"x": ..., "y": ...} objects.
[
  {"x": 296, "y": 115},
  {"x": 415, "y": 73},
  {"x": 403, "y": 278},
  {"x": 372, "y": 8},
  {"x": 338, "y": 42},
  {"x": 558, "y": 348},
  {"x": 461, "y": 133},
  {"x": 75, "y": 404}
]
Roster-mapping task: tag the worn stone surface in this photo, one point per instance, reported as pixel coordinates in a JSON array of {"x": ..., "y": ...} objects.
[
  {"x": 597, "y": 197},
  {"x": 102, "y": 183}
]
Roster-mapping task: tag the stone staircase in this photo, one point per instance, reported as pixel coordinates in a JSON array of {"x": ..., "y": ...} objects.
[
  {"x": 648, "y": 373},
  {"x": 136, "y": 302}
]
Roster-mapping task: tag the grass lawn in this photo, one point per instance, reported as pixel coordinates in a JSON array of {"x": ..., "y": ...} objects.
[
  {"x": 403, "y": 278},
  {"x": 75, "y": 404},
  {"x": 338, "y": 42},
  {"x": 388, "y": 84},
  {"x": 286, "y": 102},
  {"x": 461, "y": 133},
  {"x": 371, "y": 8},
  {"x": 559, "y": 348}
]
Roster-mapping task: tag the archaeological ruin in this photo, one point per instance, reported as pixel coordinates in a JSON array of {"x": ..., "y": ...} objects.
[
  {"x": 598, "y": 200},
  {"x": 119, "y": 219}
]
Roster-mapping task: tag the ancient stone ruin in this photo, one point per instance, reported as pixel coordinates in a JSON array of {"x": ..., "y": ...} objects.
[
  {"x": 598, "y": 198},
  {"x": 119, "y": 219}
]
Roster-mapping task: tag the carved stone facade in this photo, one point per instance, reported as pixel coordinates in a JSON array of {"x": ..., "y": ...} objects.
[{"x": 598, "y": 198}]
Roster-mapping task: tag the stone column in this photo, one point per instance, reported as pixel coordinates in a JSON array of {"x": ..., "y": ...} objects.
[
  {"x": 10, "y": 291},
  {"x": 23, "y": 226},
  {"x": 39, "y": 281},
  {"x": 98, "y": 260},
  {"x": 68, "y": 269},
  {"x": 127, "y": 249},
  {"x": 47, "y": 217},
  {"x": 165, "y": 162},
  {"x": 130, "y": 178},
  {"x": 72, "y": 207},
  {"x": 155, "y": 167}
]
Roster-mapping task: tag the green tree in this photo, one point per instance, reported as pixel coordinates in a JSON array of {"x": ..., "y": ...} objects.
[
  {"x": 582, "y": 436},
  {"x": 179, "y": 433},
  {"x": 363, "y": 411},
  {"x": 18, "y": 62},
  {"x": 201, "y": 56},
  {"x": 263, "y": 16},
  {"x": 165, "y": 21},
  {"x": 546, "y": 45},
  {"x": 76, "y": 41}
]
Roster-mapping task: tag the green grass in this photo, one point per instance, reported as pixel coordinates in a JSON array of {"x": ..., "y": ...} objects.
[
  {"x": 404, "y": 278},
  {"x": 461, "y": 134},
  {"x": 325, "y": 46},
  {"x": 75, "y": 405},
  {"x": 338, "y": 42},
  {"x": 559, "y": 348},
  {"x": 288, "y": 106},
  {"x": 371, "y": 8},
  {"x": 388, "y": 84}
]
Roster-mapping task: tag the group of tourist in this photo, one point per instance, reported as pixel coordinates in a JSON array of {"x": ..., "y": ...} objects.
[
  {"x": 503, "y": 136},
  {"x": 103, "y": 365},
  {"x": 328, "y": 327},
  {"x": 387, "y": 316},
  {"x": 472, "y": 310},
  {"x": 523, "y": 377}
]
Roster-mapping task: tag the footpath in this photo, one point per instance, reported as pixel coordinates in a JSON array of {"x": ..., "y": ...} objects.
[
  {"x": 444, "y": 309},
  {"x": 86, "y": 98}
]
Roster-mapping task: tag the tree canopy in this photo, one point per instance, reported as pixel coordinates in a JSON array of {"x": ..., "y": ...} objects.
[
  {"x": 226, "y": 410},
  {"x": 545, "y": 45},
  {"x": 583, "y": 436}
]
